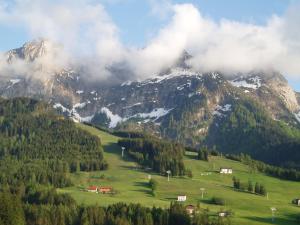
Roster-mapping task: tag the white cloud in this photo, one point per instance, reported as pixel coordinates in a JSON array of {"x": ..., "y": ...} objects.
[
  {"x": 227, "y": 46},
  {"x": 82, "y": 27},
  {"x": 91, "y": 38}
]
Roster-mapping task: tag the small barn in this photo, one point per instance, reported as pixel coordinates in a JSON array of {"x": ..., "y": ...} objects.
[
  {"x": 105, "y": 190},
  {"x": 93, "y": 189},
  {"x": 225, "y": 170},
  {"x": 181, "y": 198}
]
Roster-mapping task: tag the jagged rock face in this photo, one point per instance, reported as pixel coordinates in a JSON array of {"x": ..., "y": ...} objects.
[
  {"x": 272, "y": 90},
  {"x": 29, "y": 51},
  {"x": 180, "y": 103}
]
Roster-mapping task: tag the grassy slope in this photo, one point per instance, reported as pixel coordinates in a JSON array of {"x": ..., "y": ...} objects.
[{"x": 131, "y": 186}]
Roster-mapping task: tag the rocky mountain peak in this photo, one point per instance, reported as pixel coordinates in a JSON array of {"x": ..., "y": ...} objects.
[{"x": 30, "y": 51}]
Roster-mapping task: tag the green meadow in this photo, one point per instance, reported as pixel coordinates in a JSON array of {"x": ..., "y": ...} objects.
[{"x": 131, "y": 186}]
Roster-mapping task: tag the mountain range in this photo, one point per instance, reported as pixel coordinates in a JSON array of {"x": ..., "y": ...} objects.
[{"x": 254, "y": 112}]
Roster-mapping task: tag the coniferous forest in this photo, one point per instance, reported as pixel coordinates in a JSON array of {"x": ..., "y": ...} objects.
[{"x": 38, "y": 146}]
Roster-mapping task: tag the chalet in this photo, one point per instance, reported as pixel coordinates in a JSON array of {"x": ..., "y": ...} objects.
[
  {"x": 105, "y": 190},
  {"x": 225, "y": 170},
  {"x": 181, "y": 198},
  {"x": 296, "y": 201},
  {"x": 93, "y": 189},
  {"x": 190, "y": 209}
]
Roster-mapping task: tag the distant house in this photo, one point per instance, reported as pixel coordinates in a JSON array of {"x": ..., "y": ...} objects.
[
  {"x": 225, "y": 170},
  {"x": 105, "y": 190},
  {"x": 296, "y": 201},
  {"x": 93, "y": 189},
  {"x": 190, "y": 209},
  {"x": 181, "y": 198},
  {"x": 224, "y": 214}
]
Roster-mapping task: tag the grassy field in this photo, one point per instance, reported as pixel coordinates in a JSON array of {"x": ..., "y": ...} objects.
[{"x": 131, "y": 185}]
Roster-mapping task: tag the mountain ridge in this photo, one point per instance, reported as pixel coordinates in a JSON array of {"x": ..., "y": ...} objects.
[{"x": 179, "y": 104}]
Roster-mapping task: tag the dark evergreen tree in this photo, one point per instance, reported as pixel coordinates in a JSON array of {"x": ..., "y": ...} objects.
[
  {"x": 250, "y": 186},
  {"x": 257, "y": 188}
]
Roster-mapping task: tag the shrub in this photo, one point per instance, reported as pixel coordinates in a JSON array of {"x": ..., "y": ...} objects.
[{"x": 218, "y": 201}]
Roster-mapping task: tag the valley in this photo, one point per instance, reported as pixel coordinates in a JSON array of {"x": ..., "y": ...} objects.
[{"x": 131, "y": 186}]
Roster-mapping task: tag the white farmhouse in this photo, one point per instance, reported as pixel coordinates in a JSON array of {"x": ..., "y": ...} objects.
[
  {"x": 226, "y": 171},
  {"x": 181, "y": 198}
]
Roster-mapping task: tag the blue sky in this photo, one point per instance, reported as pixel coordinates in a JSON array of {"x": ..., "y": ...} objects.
[{"x": 137, "y": 23}]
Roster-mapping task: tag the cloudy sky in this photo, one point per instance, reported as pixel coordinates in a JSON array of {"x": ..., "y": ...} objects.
[{"x": 149, "y": 35}]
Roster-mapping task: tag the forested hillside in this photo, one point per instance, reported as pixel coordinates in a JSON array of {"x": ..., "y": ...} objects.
[
  {"x": 250, "y": 129},
  {"x": 38, "y": 146}
]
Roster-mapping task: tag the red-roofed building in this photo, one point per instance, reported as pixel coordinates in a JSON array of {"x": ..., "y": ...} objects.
[
  {"x": 105, "y": 190},
  {"x": 92, "y": 189}
]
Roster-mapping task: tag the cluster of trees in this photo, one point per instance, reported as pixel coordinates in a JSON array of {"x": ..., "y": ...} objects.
[
  {"x": 257, "y": 189},
  {"x": 251, "y": 130},
  {"x": 159, "y": 155},
  {"x": 203, "y": 153},
  {"x": 255, "y": 165},
  {"x": 36, "y": 145},
  {"x": 40, "y": 207}
]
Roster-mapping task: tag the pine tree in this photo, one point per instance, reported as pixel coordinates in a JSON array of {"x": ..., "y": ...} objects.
[
  {"x": 203, "y": 154},
  {"x": 257, "y": 188},
  {"x": 262, "y": 190},
  {"x": 250, "y": 186}
]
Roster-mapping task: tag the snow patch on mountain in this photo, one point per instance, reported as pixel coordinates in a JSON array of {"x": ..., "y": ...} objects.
[
  {"x": 297, "y": 116},
  {"x": 220, "y": 110},
  {"x": 127, "y": 83},
  {"x": 215, "y": 75},
  {"x": 114, "y": 118},
  {"x": 14, "y": 81},
  {"x": 79, "y": 92},
  {"x": 79, "y": 105},
  {"x": 73, "y": 112},
  {"x": 131, "y": 106},
  {"x": 252, "y": 82},
  {"x": 77, "y": 118},
  {"x": 194, "y": 93},
  {"x": 176, "y": 72},
  {"x": 153, "y": 116},
  {"x": 60, "y": 106}
]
